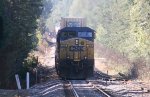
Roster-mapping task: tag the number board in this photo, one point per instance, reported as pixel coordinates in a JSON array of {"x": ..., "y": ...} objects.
[{"x": 77, "y": 48}]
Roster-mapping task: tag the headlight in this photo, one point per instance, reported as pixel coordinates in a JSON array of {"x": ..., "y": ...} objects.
[{"x": 77, "y": 41}]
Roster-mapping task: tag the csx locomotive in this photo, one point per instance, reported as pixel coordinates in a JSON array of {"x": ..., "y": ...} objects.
[{"x": 74, "y": 57}]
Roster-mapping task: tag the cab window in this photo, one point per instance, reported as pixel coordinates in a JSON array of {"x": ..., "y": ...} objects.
[
  {"x": 71, "y": 34},
  {"x": 66, "y": 35},
  {"x": 63, "y": 34},
  {"x": 85, "y": 34}
]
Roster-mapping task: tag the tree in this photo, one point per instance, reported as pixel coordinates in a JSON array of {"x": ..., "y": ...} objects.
[{"x": 19, "y": 35}]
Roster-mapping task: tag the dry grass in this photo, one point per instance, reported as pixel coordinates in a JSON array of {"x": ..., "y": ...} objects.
[
  {"x": 111, "y": 61},
  {"x": 111, "y": 67},
  {"x": 107, "y": 59}
]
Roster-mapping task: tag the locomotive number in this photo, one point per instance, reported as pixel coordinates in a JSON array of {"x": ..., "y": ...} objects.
[{"x": 76, "y": 48}]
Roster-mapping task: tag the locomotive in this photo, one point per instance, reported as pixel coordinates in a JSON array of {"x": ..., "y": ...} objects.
[{"x": 74, "y": 56}]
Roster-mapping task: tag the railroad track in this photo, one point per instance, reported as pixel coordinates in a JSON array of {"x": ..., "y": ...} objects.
[
  {"x": 53, "y": 88},
  {"x": 101, "y": 91},
  {"x": 85, "y": 88},
  {"x": 82, "y": 88},
  {"x": 69, "y": 89}
]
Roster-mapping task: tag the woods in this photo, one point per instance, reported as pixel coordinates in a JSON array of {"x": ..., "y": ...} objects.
[
  {"x": 18, "y": 37},
  {"x": 122, "y": 25}
]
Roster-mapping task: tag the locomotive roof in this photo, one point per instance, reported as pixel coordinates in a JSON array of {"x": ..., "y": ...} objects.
[{"x": 77, "y": 29}]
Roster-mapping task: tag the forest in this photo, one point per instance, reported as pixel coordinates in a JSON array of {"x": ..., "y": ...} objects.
[{"x": 121, "y": 25}]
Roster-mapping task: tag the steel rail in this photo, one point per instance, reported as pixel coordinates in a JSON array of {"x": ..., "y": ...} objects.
[
  {"x": 106, "y": 94},
  {"x": 73, "y": 90},
  {"x": 100, "y": 90}
]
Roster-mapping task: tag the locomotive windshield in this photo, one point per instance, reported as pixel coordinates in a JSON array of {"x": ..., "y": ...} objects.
[
  {"x": 66, "y": 35},
  {"x": 84, "y": 34},
  {"x": 71, "y": 34},
  {"x": 63, "y": 34}
]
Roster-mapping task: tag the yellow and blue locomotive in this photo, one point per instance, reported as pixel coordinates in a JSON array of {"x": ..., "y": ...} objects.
[{"x": 74, "y": 57}]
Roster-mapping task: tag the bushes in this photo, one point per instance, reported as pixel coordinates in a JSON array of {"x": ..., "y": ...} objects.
[{"x": 29, "y": 64}]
